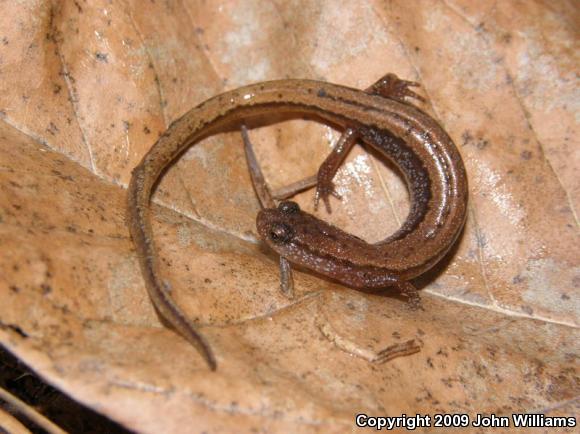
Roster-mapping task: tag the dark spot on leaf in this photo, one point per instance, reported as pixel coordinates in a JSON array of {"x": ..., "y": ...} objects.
[{"x": 102, "y": 57}]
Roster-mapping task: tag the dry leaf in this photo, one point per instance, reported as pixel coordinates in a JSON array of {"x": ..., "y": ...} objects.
[{"x": 87, "y": 87}]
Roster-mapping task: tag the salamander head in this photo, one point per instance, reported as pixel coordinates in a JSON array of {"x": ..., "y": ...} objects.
[
  {"x": 305, "y": 240},
  {"x": 302, "y": 238},
  {"x": 281, "y": 228}
]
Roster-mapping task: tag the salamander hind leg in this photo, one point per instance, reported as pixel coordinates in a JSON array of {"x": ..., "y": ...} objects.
[
  {"x": 325, "y": 186},
  {"x": 410, "y": 291},
  {"x": 324, "y": 189},
  {"x": 392, "y": 87},
  {"x": 389, "y": 86}
]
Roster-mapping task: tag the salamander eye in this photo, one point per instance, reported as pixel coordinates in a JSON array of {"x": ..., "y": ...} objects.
[
  {"x": 281, "y": 233},
  {"x": 288, "y": 207}
]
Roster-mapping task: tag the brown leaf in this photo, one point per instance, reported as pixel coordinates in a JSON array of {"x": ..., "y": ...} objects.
[{"x": 87, "y": 87}]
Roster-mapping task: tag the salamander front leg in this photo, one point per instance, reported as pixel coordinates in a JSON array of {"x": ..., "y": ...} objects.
[{"x": 266, "y": 201}]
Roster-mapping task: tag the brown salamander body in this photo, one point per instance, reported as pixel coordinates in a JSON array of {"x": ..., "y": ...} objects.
[{"x": 413, "y": 140}]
